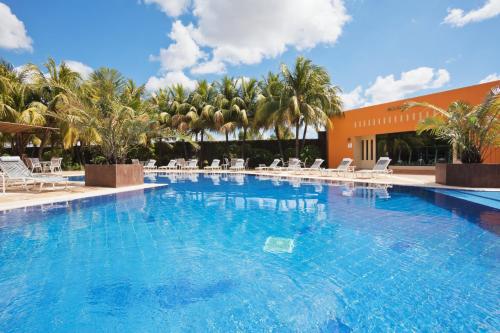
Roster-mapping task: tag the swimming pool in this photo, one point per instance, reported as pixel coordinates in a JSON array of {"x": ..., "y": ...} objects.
[{"x": 240, "y": 253}]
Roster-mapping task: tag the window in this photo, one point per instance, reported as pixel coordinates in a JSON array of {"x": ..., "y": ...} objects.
[
  {"x": 408, "y": 148},
  {"x": 366, "y": 146},
  {"x": 371, "y": 149},
  {"x": 362, "y": 150}
]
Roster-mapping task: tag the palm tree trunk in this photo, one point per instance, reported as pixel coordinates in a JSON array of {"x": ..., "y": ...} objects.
[
  {"x": 185, "y": 149},
  {"x": 297, "y": 139},
  {"x": 46, "y": 138},
  {"x": 277, "y": 131},
  {"x": 227, "y": 143},
  {"x": 244, "y": 140},
  {"x": 304, "y": 137},
  {"x": 201, "y": 146},
  {"x": 454, "y": 158},
  {"x": 21, "y": 143}
]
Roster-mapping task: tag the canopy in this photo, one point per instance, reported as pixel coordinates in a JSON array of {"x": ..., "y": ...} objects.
[{"x": 13, "y": 128}]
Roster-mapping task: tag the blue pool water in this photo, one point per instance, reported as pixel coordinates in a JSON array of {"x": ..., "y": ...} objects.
[{"x": 238, "y": 253}]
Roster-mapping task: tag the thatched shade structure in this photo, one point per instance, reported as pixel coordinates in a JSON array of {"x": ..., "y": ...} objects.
[{"x": 14, "y": 128}]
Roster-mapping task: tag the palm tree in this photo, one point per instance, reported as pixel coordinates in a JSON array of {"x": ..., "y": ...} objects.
[
  {"x": 308, "y": 96},
  {"x": 20, "y": 102},
  {"x": 159, "y": 104},
  {"x": 112, "y": 114},
  {"x": 245, "y": 106},
  {"x": 202, "y": 98},
  {"x": 183, "y": 114},
  {"x": 469, "y": 129},
  {"x": 269, "y": 112},
  {"x": 59, "y": 88},
  {"x": 227, "y": 115}
]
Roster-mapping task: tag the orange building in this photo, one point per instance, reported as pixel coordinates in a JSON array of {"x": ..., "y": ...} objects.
[{"x": 367, "y": 133}]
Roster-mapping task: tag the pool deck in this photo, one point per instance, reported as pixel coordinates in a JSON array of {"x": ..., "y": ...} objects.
[{"x": 18, "y": 198}]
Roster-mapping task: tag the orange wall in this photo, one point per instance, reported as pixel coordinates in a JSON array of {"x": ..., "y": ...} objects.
[{"x": 379, "y": 119}]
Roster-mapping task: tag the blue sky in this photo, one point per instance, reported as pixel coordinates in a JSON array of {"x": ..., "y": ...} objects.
[{"x": 374, "y": 50}]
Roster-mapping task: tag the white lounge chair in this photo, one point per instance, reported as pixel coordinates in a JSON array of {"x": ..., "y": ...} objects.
[
  {"x": 226, "y": 164},
  {"x": 380, "y": 168},
  {"x": 293, "y": 164},
  {"x": 172, "y": 165},
  {"x": 3, "y": 181},
  {"x": 239, "y": 165},
  {"x": 136, "y": 161},
  {"x": 191, "y": 165},
  {"x": 314, "y": 167},
  {"x": 150, "y": 165},
  {"x": 180, "y": 163},
  {"x": 15, "y": 171},
  {"x": 272, "y": 166},
  {"x": 214, "y": 166},
  {"x": 344, "y": 166}
]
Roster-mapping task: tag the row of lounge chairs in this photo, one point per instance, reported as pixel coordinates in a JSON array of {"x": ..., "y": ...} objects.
[
  {"x": 181, "y": 164},
  {"x": 344, "y": 168},
  {"x": 15, "y": 172},
  {"x": 294, "y": 165}
]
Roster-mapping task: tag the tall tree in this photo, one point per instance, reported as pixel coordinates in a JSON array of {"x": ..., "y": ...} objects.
[
  {"x": 20, "y": 102},
  {"x": 201, "y": 98},
  {"x": 226, "y": 115},
  {"x": 59, "y": 89},
  {"x": 270, "y": 113},
  {"x": 308, "y": 97},
  {"x": 245, "y": 106},
  {"x": 111, "y": 115}
]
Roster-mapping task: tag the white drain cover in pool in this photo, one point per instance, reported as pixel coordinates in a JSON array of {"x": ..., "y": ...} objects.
[{"x": 279, "y": 245}]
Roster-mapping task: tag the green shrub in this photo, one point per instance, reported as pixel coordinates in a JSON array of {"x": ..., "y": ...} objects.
[
  {"x": 259, "y": 156},
  {"x": 141, "y": 153},
  {"x": 289, "y": 152},
  {"x": 99, "y": 160},
  {"x": 309, "y": 154}
]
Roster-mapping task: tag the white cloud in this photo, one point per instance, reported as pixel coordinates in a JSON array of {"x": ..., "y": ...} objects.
[
  {"x": 389, "y": 88},
  {"x": 184, "y": 52},
  {"x": 13, "y": 34},
  {"x": 80, "y": 68},
  {"x": 353, "y": 98},
  {"x": 168, "y": 79},
  {"x": 212, "y": 66},
  {"x": 265, "y": 29},
  {"x": 458, "y": 17},
  {"x": 490, "y": 78},
  {"x": 170, "y": 7}
]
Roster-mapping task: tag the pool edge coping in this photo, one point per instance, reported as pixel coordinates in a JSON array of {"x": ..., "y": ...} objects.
[{"x": 102, "y": 191}]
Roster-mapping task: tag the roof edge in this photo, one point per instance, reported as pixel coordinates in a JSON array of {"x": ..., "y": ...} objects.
[{"x": 492, "y": 83}]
